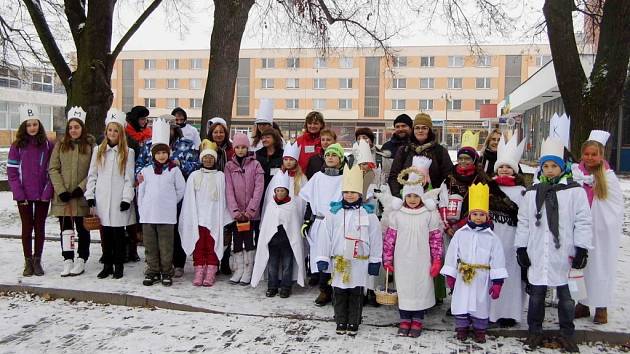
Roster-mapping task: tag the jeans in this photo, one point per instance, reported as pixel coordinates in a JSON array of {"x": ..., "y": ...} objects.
[
  {"x": 158, "y": 248},
  {"x": 68, "y": 223},
  {"x": 536, "y": 311},
  {"x": 33, "y": 218},
  {"x": 114, "y": 245},
  {"x": 280, "y": 261},
  {"x": 348, "y": 305}
]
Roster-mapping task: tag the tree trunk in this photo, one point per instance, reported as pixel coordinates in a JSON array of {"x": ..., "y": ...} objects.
[{"x": 230, "y": 19}]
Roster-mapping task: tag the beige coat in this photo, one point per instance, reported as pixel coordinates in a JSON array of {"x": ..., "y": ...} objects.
[{"x": 69, "y": 170}]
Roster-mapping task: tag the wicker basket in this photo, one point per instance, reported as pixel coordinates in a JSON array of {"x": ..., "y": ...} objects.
[
  {"x": 92, "y": 222},
  {"x": 386, "y": 296}
]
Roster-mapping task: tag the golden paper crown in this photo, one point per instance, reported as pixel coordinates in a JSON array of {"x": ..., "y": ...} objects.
[
  {"x": 352, "y": 179},
  {"x": 478, "y": 197},
  {"x": 470, "y": 139},
  {"x": 207, "y": 144}
]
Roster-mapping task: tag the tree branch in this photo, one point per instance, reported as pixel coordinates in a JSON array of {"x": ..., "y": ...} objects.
[
  {"x": 123, "y": 41},
  {"x": 75, "y": 12}
]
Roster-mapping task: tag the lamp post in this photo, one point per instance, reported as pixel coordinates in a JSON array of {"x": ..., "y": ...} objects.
[{"x": 447, "y": 97}]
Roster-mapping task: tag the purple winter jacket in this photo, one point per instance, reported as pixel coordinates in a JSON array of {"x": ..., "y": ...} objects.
[
  {"x": 244, "y": 186},
  {"x": 27, "y": 169}
]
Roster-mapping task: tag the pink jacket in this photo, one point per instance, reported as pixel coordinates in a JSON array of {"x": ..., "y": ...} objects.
[{"x": 245, "y": 186}]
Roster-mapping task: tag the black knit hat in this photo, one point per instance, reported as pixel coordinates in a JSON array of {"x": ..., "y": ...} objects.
[
  {"x": 403, "y": 118},
  {"x": 364, "y": 131},
  {"x": 179, "y": 110}
]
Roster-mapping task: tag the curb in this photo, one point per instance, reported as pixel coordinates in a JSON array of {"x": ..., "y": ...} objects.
[
  {"x": 103, "y": 298},
  {"x": 46, "y": 238}
]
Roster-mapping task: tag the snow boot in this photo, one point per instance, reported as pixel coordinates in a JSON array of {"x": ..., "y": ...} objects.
[
  {"x": 416, "y": 329},
  {"x": 462, "y": 333},
  {"x": 323, "y": 299},
  {"x": 179, "y": 272},
  {"x": 403, "y": 328},
  {"x": 199, "y": 274},
  {"x": 569, "y": 344},
  {"x": 28, "y": 267},
  {"x": 285, "y": 293},
  {"x": 79, "y": 267},
  {"x": 150, "y": 279},
  {"x": 37, "y": 266},
  {"x": 533, "y": 341},
  {"x": 210, "y": 275},
  {"x": 480, "y": 336},
  {"x": 107, "y": 270},
  {"x": 249, "y": 267},
  {"x": 118, "y": 270},
  {"x": 67, "y": 267},
  {"x": 582, "y": 311},
  {"x": 601, "y": 315},
  {"x": 239, "y": 264}
]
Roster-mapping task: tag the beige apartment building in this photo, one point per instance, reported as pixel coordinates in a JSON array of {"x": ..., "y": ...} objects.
[{"x": 352, "y": 87}]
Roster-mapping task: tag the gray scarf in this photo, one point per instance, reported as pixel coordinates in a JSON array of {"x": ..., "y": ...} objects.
[{"x": 546, "y": 193}]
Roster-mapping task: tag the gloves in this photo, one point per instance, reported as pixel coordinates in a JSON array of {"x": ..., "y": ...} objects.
[
  {"x": 522, "y": 258},
  {"x": 322, "y": 266},
  {"x": 389, "y": 267},
  {"x": 373, "y": 268},
  {"x": 65, "y": 197},
  {"x": 124, "y": 206},
  {"x": 579, "y": 261},
  {"x": 91, "y": 203},
  {"x": 306, "y": 227},
  {"x": 77, "y": 193},
  {"x": 495, "y": 289},
  {"x": 450, "y": 281},
  {"x": 435, "y": 267}
]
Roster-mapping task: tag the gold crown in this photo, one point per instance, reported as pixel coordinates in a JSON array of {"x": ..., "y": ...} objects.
[
  {"x": 470, "y": 139},
  {"x": 207, "y": 144},
  {"x": 478, "y": 197},
  {"x": 352, "y": 179}
]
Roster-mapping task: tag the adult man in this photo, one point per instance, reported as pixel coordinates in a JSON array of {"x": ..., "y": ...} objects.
[
  {"x": 403, "y": 125},
  {"x": 189, "y": 131}
]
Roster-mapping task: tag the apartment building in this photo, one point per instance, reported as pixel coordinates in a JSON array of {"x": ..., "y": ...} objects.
[{"x": 352, "y": 87}]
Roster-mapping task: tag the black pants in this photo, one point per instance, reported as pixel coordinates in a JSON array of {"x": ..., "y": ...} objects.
[
  {"x": 243, "y": 239},
  {"x": 179, "y": 256},
  {"x": 114, "y": 245},
  {"x": 280, "y": 265},
  {"x": 348, "y": 305},
  {"x": 324, "y": 279},
  {"x": 69, "y": 223},
  {"x": 536, "y": 311}
]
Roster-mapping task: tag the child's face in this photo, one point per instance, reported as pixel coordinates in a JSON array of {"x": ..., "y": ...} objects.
[
  {"x": 161, "y": 156},
  {"x": 281, "y": 193},
  {"x": 332, "y": 160},
  {"x": 208, "y": 161},
  {"x": 505, "y": 170},
  {"x": 364, "y": 166},
  {"x": 551, "y": 169},
  {"x": 464, "y": 160},
  {"x": 32, "y": 127},
  {"x": 112, "y": 133},
  {"x": 289, "y": 163},
  {"x": 413, "y": 200},
  {"x": 326, "y": 141},
  {"x": 478, "y": 217},
  {"x": 351, "y": 197},
  {"x": 591, "y": 157},
  {"x": 241, "y": 150}
]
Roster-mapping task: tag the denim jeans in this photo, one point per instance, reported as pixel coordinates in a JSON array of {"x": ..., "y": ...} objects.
[
  {"x": 536, "y": 312},
  {"x": 280, "y": 265}
]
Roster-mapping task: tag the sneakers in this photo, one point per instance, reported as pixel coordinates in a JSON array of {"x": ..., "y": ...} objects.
[
  {"x": 79, "y": 267},
  {"x": 582, "y": 311},
  {"x": 342, "y": 328},
  {"x": 569, "y": 344},
  {"x": 37, "y": 266},
  {"x": 67, "y": 267},
  {"x": 403, "y": 328},
  {"x": 167, "y": 279},
  {"x": 352, "y": 330},
  {"x": 415, "y": 330},
  {"x": 462, "y": 333},
  {"x": 323, "y": 298},
  {"x": 28, "y": 267},
  {"x": 285, "y": 293},
  {"x": 533, "y": 341},
  {"x": 199, "y": 274},
  {"x": 151, "y": 279},
  {"x": 210, "y": 275},
  {"x": 178, "y": 273},
  {"x": 118, "y": 271},
  {"x": 480, "y": 336},
  {"x": 271, "y": 292},
  {"x": 601, "y": 315},
  {"x": 107, "y": 270}
]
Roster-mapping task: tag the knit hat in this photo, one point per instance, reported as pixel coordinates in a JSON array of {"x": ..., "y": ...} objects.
[
  {"x": 240, "y": 139},
  {"x": 364, "y": 131},
  {"x": 467, "y": 150},
  {"x": 403, "y": 118},
  {"x": 208, "y": 148},
  {"x": 217, "y": 120},
  {"x": 423, "y": 119},
  {"x": 335, "y": 149}
]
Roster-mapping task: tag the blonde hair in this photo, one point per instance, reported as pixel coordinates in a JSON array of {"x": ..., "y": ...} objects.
[
  {"x": 297, "y": 179},
  {"x": 492, "y": 132},
  {"x": 600, "y": 187},
  {"x": 123, "y": 154}
]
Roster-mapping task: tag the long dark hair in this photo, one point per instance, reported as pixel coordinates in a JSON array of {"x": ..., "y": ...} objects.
[
  {"x": 83, "y": 140},
  {"x": 21, "y": 138}
]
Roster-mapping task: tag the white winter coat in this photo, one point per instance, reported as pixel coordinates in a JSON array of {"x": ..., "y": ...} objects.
[{"x": 158, "y": 195}]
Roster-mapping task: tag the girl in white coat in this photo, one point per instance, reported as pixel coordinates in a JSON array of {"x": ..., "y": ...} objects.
[
  {"x": 606, "y": 200},
  {"x": 297, "y": 179},
  {"x": 110, "y": 190}
]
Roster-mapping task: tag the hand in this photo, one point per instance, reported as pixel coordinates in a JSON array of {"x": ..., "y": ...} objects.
[
  {"x": 389, "y": 267},
  {"x": 65, "y": 197},
  {"x": 306, "y": 227},
  {"x": 124, "y": 206},
  {"x": 140, "y": 178},
  {"x": 581, "y": 256},
  {"x": 91, "y": 203},
  {"x": 322, "y": 266},
  {"x": 495, "y": 290},
  {"x": 435, "y": 267},
  {"x": 373, "y": 268},
  {"x": 77, "y": 192},
  {"x": 450, "y": 231},
  {"x": 522, "y": 258},
  {"x": 450, "y": 281}
]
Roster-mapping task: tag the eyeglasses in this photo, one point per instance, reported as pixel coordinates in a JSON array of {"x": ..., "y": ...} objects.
[{"x": 421, "y": 128}]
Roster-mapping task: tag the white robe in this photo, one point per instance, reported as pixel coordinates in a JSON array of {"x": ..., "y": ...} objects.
[
  {"x": 350, "y": 233},
  {"x": 158, "y": 195},
  {"x": 299, "y": 203},
  {"x": 320, "y": 191},
  {"x": 288, "y": 216},
  {"x": 512, "y": 300},
  {"x": 474, "y": 247},
  {"x": 600, "y": 272},
  {"x": 412, "y": 257},
  {"x": 204, "y": 205}
]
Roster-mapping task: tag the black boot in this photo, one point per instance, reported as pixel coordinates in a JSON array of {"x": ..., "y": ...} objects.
[
  {"x": 107, "y": 270},
  {"x": 118, "y": 271},
  {"x": 37, "y": 266},
  {"x": 225, "y": 263},
  {"x": 28, "y": 267}
]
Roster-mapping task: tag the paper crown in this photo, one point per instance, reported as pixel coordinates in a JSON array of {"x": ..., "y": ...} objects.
[
  {"x": 559, "y": 127},
  {"x": 552, "y": 147},
  {"x": 208, "y": 147},
  {"x": 509, "y": 153},
  {"x": 281, "y": 180},
  {"x": 264, "y": 115},
  {"x": 115, "y": 116},
  {"x": 362, "y": 153},
  {"x": 161, "y": 131},
  {"x": 28, "y": 112},
  {"x": 478, "y": 197},
  {"x": 600, "y": 136},
  {"x": 470, "y": 139},
  {"x": 352, "y": 179},
  {"x": 291, "y": 150},
  {"x": 77, "y": 112}
]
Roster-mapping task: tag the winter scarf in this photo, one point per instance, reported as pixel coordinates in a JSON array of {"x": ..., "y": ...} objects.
[
  {"x": 282, "y": 201},
  {"x": 508, "y": 181},
  {"x": 479, "y": 227},
  {"x": 159, "y": 167},
  {"x": 502, "y": 209},
  {"x": 212, "y": 187},
  {"x": 465, "y": 171},
  {"x": 342, "y": 204}
]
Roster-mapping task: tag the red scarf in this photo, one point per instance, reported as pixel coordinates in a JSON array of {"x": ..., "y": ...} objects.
[
  {"x": 466, "y": 171},
  {"x": 282, "y": 201},
  {"x": 508, "y": 181}
]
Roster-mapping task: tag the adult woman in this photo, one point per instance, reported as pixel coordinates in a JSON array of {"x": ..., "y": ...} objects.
[
  {"x": 422, "y": 144},
  {"x": 327, "y": 137},
  {"x": 270, "y": 155},
  {"x": 219, "y": 134},
  {"x": 489, "y": 155},
  {"x": 68, "y": 170},
  {"x": 137, "y": 128},
  {"x": 309, "y": 142}
]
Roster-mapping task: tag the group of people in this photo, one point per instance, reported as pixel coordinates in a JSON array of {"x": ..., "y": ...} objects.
[{"x": 257, "y": 207}]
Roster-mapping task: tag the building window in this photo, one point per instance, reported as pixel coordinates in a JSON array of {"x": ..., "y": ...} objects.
[
  {"x": 426, "y": 105},
  {"x": 9, "y": 78},
  {"x": 268, "y": 63},
  {"x": 266, "y": 83},
  {"x": 371, "y": 103},
  {"x": 346, "y": 63},
  {"x": 9, "y": 115},
  {"x": 455, "y": 82},
  {"x": 455, "y": 105},
  {"x": 292, "y": 103},
  {"x": 293, "y": 63},
  {"x": 478, "y": 104},
  {"x": 242, "y": 87},
  {"x": 128, "y": 84},
  {"x": 149, "y": 83},
  {"x": 345, "y": 103},
  {"x": 293, "y": 83},
  {"x": 513, "y": 65},
  {"x": 320, "y": 63},
  {"x": 542, "y": 59},
  {"x": 345, "y": 83},
  {"x": 399, "y": 104},
  {"x": 172, "y": 84},
  {"x": 196, "y": 102},
  {"x": 455, "y": 61},
  {"x": 483, "y": 83},
  {"x": 484, "y": 60},
  {"x": 400, "y": 62},
  {"x": 150, "y": 103},
  {"x": 427, "y": 83},
  {"x": 172, "y": 102},
  {"x": 149, "y": 64},
  {"x": 319, "y": 84},
  {"x": 42, "y": 82},
  {"x": 196, "y": 64},
  {"x": 319, "y": 104},
  {"x": 172, "y": 64},
  {"x": 399, "y": 83},
  {"x": 195, "y": 84},
  {"x": 427, "y": 62}
]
